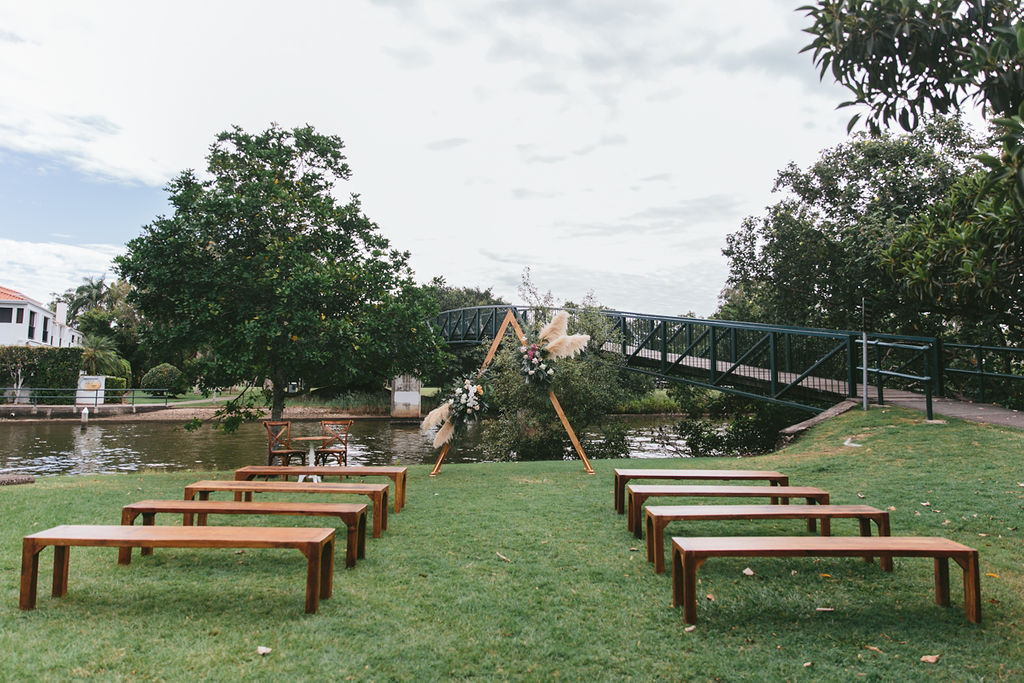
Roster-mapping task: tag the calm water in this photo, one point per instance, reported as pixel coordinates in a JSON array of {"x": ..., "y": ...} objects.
[{"x": 68, "y": 448}]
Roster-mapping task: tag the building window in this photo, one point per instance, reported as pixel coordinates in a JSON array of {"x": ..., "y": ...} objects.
[
  {"x": 21, "y": 316},
  {"x": 6, "y": 314},
  {"x": 31, "y": 324},
  {"x": 45, "y": 338}
]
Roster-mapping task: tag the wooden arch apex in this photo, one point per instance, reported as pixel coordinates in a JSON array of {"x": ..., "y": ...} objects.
[{"x": 510, "y": 319}]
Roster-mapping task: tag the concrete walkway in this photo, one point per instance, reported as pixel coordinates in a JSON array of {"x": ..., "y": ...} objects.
[{"x": 974, "y": 412}]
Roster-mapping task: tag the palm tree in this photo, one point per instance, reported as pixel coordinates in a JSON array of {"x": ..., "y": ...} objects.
[
  {"x": 99, "y": 356},
  {"x": 92, "y": 293}
]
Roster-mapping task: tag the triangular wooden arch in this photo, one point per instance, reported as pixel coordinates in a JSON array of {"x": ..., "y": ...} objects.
[{"x": 510, "y": 319}]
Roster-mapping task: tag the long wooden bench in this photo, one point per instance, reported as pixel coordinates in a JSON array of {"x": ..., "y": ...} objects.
[
  {"x": 689, "y": 553},
  {"x": 378, "y": 493},
  {"x": 638, "y": 493},
  {"x": 316, "y": 544},
  {"x": 658, "y": 516},
  {"x": 623, "y": 477},
  {"x": 395, "y": 473},
  {"x": 352, "y": 514}
]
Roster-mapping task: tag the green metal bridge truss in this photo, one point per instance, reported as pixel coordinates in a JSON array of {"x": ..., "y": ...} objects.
[{"x": 799, "y": 367}]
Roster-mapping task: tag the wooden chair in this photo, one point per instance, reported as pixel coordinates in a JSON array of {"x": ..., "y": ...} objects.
[
  {"x": 337, "y": 447},
  {"x": 279, "y": 443}
]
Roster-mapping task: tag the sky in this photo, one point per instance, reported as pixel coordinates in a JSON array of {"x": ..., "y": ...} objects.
[{"x": 609, "y": 146}]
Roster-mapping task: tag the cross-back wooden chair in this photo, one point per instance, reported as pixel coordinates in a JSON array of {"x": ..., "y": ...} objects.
[
  {"x": 337, "y": 447},
  {"x": 279, "y": 443}
]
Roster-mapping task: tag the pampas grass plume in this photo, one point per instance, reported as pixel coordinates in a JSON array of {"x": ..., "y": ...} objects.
[
  {"x": 445, "y": 434},
  {"x": 557, "y": 327},
  {"x": 436, "y": 416},
  {"x": 567, "y": 345}
]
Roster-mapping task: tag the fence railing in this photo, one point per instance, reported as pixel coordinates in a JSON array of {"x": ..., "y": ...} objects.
[
  {"x": 988, "y": 373},
  {"x": 795, "y": 366},
  {"x": 37, "y": 396}
]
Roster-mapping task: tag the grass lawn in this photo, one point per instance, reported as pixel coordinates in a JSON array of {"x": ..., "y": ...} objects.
[{"x": 523, "y": 570}]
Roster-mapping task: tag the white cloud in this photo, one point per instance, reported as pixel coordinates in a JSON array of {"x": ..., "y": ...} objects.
[
  {"x": 40, "y": 269},
  {"x": 470, "y": 127}
]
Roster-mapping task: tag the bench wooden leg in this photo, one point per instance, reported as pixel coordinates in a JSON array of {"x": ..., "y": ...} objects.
[
  {"x": 811, "y": 523},
  {"x": 124, "y": 555},
  {"x": 327, "y": 569},
  {"x": 361, "y": 549},
  {"x": 61, "y": 555},
  {"x": 684, "y": 583},
  {"x": 883, "y": 530},
  {"x": 352, "y": 543},
  {"x": 29, "y": 574},
  {"x": 314, "y": 560},
  {"x": 942, "y": 581},
  {"x": 619, "y": 489},
  {"x": 634, "y": 518},
  {"x": 972, "y": 585},
  {"x": 380, "y": 513},
  {"x": 659, "y": 545}
]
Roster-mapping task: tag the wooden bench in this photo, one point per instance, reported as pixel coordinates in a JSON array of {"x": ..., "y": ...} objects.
[
  {"x": 638, "y": 493},
  {"x": 352, "y": 514},
  {"x": 658, "y": 516},
  {"x": 689, "y": 553},
  {"x": 623, "y": 476},
  {"x": 378, "y": 493},
  {"x": 316, "y": 544},
  {"x": 396, "y": 474}
]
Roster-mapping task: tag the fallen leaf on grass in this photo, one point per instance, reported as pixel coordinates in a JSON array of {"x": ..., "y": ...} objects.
[
  {"x": 690, "y": 629},
  {"x": 926, "y": 504},
  {"x": 824, "y": 609},
  {"x": 892, "y": 508},
  {"x": 711, "y": 597},
  {"x": 634, "y": 549},
  {"x": 873, "y": 649},
  {"x": 748, "y": 572},
  {"x": 983, "y": 535},
  {"x": 945, "y": 523},
  {"x": 502, "y": 556},
  {"x": 807, "y": 664},
  {"x": 930, "y": 659},
  {"x": 263, "y": 650},
  {"x": 825, "y": 576},
  {"x": 994, "y": 576},
  {"x": 860, "y": 495}
]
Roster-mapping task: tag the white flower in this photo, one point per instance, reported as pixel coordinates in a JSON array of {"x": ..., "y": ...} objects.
[
  {"x": 532, "y": 371},
  {"x": 522, "y": 349},
  {"x": 536, "y": 360},
  {"x": 551, "y": 372}
]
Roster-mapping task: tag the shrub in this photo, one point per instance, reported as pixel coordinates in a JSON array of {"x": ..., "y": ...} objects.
[
  {"x": 115, "y": 387},
  {"x": 165, "y": 377}
]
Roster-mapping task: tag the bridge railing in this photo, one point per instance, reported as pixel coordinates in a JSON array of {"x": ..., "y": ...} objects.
[
  {"x": 988, "y": 373},
  {"x": 800, "y": 367}
]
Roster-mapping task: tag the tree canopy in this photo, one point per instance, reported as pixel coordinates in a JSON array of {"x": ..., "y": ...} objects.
[
  {"x": 263, "y": 276},
  {"x": 814, "y": 254}
]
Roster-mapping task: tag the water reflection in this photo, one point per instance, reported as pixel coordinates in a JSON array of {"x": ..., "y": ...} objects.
[{"x": 69, "y": 448}]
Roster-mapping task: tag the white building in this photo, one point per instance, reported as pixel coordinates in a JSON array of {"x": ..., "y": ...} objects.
[{"x": 26, "y": 322}]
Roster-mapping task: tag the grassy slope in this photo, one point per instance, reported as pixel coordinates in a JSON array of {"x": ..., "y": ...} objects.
[{"x": 433, "y": 598}]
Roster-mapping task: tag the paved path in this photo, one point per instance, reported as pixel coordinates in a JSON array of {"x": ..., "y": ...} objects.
[{"x": 947, "y": 407}]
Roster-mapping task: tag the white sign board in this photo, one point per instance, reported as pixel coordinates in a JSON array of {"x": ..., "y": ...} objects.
[{"x": 90, "y": 390}]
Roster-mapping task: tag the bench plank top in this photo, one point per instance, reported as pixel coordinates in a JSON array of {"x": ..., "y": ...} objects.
[
  {"x": 698, "y": 474},
  {"x": 794, "y": 546},
  {"x": 755, "y": 511},
  {"x": 395, "y": 472},
  {"x": 251, "y": 507},
  {"x": 280, "y": 486},
  {"x": 728, "y": 491},
  {"x": 176, "y": 536}
]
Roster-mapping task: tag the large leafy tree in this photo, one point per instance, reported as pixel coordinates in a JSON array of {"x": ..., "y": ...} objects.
[
  {"x": 265, "y": 277},
  {"x": 813, "y": 256},
  {"x": 902, "y": 58}
]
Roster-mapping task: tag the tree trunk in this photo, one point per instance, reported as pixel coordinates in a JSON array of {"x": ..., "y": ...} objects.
[{"x": 277, "y": 404}]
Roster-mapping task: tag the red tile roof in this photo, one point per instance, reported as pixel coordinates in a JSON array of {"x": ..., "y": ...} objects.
[{"x": 7, "y": 294}]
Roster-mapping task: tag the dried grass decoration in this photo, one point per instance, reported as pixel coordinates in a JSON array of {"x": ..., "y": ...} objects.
[
  {"x": 466, "y": 402},
  {"x": 536, "y": 365}
]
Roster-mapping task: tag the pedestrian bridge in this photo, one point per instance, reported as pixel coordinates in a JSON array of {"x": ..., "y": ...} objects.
[{"x": 799, "y": 367}]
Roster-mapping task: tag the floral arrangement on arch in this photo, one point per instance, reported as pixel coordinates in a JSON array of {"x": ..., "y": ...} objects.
[
  {"x": 465, "y": 402},
  {"x": 554, "y": 343}
]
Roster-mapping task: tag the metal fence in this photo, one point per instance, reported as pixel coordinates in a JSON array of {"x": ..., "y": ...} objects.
[{"x": 37, "y": 396}]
